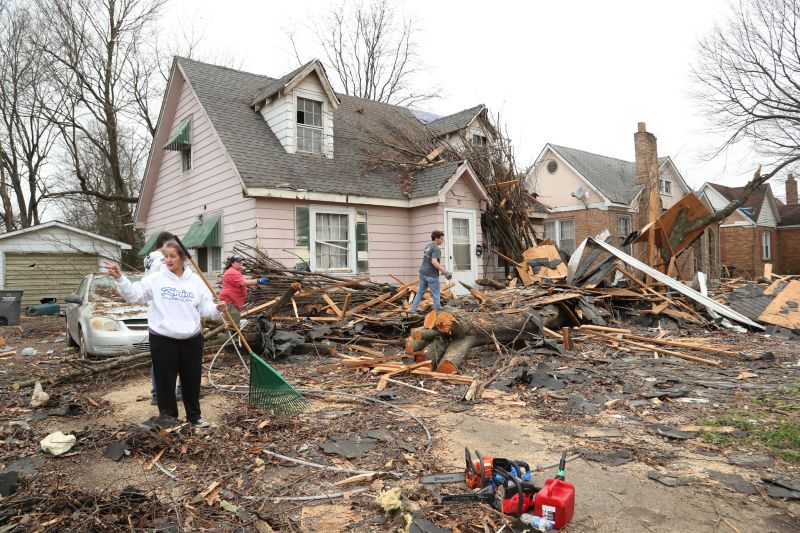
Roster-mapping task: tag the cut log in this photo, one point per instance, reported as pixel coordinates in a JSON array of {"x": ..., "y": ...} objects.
[
  {"x": 413, "y": 345},
  {"x": 420, "y": 334},
  {"x": 434, "y": 351},
  {"x": 444, "y": 321},
  {"x": 505, "y": 327},
  {"x": 455, "y": 354},
  {"x": 430, "y": 320},
  {"x": 493, "y": 283}
]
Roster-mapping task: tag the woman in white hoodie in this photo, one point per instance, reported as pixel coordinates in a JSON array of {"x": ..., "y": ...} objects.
[{"x": 178, "y": 299}]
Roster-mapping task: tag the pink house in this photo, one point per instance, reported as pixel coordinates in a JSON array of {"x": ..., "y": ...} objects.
[{"x": 294, "y": 168}]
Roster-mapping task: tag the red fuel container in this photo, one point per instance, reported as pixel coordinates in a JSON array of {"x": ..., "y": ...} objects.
[{"x": 555, "y": 502}]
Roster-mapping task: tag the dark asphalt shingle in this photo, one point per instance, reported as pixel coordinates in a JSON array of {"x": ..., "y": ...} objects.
[
  {"x": 615, "y": 178},
  {"x": 226, "y": 95},
  {"x": 456, "y": 121}
]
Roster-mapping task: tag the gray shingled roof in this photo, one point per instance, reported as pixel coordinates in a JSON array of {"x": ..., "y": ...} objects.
[
  {"x": 615, "y": 178},
  {"x": 456, "y": 121},
  {"x": 226, "y": 95},
  {"x": 276, "y": 85}
]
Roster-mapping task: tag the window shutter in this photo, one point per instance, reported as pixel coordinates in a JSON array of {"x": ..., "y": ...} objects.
[
  {"x": 362, "y": 243},
  {"x": 301, "y": 226}
]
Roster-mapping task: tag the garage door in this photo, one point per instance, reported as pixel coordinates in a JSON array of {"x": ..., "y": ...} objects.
[{"x": 46, "y": 275}]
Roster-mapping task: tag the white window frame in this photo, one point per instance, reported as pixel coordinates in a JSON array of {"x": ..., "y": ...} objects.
[
  {"x": 351, "y": 236},
  {"x": 480, "y": 141},
  {"x": 557, "y": 232},
  {"x": 766, "y": 246},
  {"x": 665, "y": 187},
  {"x": 320, "y": 128}
]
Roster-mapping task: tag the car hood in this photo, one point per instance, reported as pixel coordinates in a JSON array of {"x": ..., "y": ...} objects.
[{"x": 120, "y": 312}]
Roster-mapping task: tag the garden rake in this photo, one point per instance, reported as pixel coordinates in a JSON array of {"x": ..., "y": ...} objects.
[{"x": 268, "y": 388}]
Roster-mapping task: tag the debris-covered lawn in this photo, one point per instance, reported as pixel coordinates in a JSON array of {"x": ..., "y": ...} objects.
[{"x": 666, "y": 444}]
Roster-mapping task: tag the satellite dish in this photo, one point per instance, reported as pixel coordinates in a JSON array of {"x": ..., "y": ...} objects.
[{"x": 581, "y": 193}]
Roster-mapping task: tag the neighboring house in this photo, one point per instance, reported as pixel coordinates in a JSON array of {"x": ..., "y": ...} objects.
[
  {"x": 49, "y": 260},
  {"x": 299, "y": 171},
  {"x": 760, "y": 231},
  {"x": 788, "y": 248},
  {"x": 588, "y": 193}
]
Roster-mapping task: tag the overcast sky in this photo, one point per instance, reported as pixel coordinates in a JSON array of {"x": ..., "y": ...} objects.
[{"x": 579, "y": 73}]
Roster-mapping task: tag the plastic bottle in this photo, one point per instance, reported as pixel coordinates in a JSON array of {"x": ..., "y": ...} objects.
[{"x": 537, "y": 522}]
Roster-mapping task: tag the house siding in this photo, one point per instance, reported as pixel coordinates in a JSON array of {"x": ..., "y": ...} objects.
[
  {"x": 54, "y": 240},
  {"x": 678, "y": 190},
  {"x": 767, "y": 216},
  {"x": 716, "y": 200},
  {"x": 788, "y": 251},
  {"x": 740, "y": 248},
  {"x": 389, "y": 250},
  {"x": 280, "y": 117},
  {"x": 556, "y": 189},
  {"x": 212, "y": 184}
]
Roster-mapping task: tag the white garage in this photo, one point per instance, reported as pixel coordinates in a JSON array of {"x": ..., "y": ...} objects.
[{"x": 49, "y": 260}]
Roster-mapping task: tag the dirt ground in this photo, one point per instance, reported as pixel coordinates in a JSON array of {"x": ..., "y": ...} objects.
[{"x": 223, "y": 480}]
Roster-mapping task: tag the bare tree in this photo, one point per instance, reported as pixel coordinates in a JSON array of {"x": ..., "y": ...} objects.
[
  {"x": 26, "y": 136},
  {"x": 102, "y": 68},
  {"x": 748, "y": 83},
  {"x": 372, "y": 50}
]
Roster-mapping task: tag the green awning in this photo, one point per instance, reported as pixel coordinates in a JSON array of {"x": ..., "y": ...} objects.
[
  {"x": 149, "y": 245},
  {"x": 204, "y": 232},
  {"x": 181, "y": 136}
]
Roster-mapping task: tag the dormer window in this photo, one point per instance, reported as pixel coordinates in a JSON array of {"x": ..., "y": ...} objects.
[
  {"x": 479, "y": 141},
  {"x": 665, "y": 187},
  {"x": 309, "y": 125}
]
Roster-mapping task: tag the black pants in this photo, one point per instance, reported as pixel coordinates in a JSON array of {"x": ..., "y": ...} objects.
[{"x": 173, "y": 358}]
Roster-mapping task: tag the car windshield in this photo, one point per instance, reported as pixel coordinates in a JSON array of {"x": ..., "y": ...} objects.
[{"x": 103, "y": 289}]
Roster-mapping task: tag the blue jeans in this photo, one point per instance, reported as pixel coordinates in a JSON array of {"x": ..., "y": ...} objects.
[{"x": 427, "y": 282}]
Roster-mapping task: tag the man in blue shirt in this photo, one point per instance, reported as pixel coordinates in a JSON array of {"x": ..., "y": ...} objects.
[{"x": 429, "y": 272}]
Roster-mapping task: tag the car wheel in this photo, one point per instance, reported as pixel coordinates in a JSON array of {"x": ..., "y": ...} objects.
[
  {"x": 70, "y": 341},
  {"x": 83, "y": 345}
]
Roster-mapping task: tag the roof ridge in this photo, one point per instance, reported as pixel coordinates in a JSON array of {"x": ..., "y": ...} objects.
[
  {"x": 240, "y": 71},
  {"x": 458, "y": 112},
  {"x": 557, "y": 146}
]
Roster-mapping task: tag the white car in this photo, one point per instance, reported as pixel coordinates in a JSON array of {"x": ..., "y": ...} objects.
[{"x": 100, "y": 322}]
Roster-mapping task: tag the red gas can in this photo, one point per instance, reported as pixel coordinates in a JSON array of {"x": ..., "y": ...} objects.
[{"x": 555, "y": 502}]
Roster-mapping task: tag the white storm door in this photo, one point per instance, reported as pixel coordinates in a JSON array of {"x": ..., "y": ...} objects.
[{"x": 460, "y": 246}]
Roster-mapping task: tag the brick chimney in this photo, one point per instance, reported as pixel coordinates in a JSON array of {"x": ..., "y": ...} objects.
[
  {"x": 646, "y": 154},
  {"x": 791, "y": 190}
]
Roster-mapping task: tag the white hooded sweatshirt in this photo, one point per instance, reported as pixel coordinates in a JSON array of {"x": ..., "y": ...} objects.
[{"x": 177, "y": 302}]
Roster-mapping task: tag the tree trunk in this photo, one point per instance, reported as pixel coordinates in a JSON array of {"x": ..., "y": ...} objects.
[{"x": 451, "y": 335}]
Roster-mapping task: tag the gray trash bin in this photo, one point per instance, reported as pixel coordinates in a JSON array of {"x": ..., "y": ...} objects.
[{"x": 9, "y": 307}]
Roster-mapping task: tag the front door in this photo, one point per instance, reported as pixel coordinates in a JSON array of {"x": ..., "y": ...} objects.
[{"x": 460, "y": 245}]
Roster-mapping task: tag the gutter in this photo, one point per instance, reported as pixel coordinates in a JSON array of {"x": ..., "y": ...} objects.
[{"x": 263, "y": 192}]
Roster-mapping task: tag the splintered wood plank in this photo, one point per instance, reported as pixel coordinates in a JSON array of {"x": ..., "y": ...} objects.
[
  {"x": 383, "y": 381},
  {"x": 332, "y": 304}
]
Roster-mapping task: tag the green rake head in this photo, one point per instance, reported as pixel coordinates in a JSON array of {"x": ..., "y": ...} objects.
[{"x": 269, "y": 390}]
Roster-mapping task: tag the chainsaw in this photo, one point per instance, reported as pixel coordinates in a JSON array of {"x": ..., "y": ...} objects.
[
  {"x": 513, "y": 496},
  {"x": 479, "y": 473}
]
